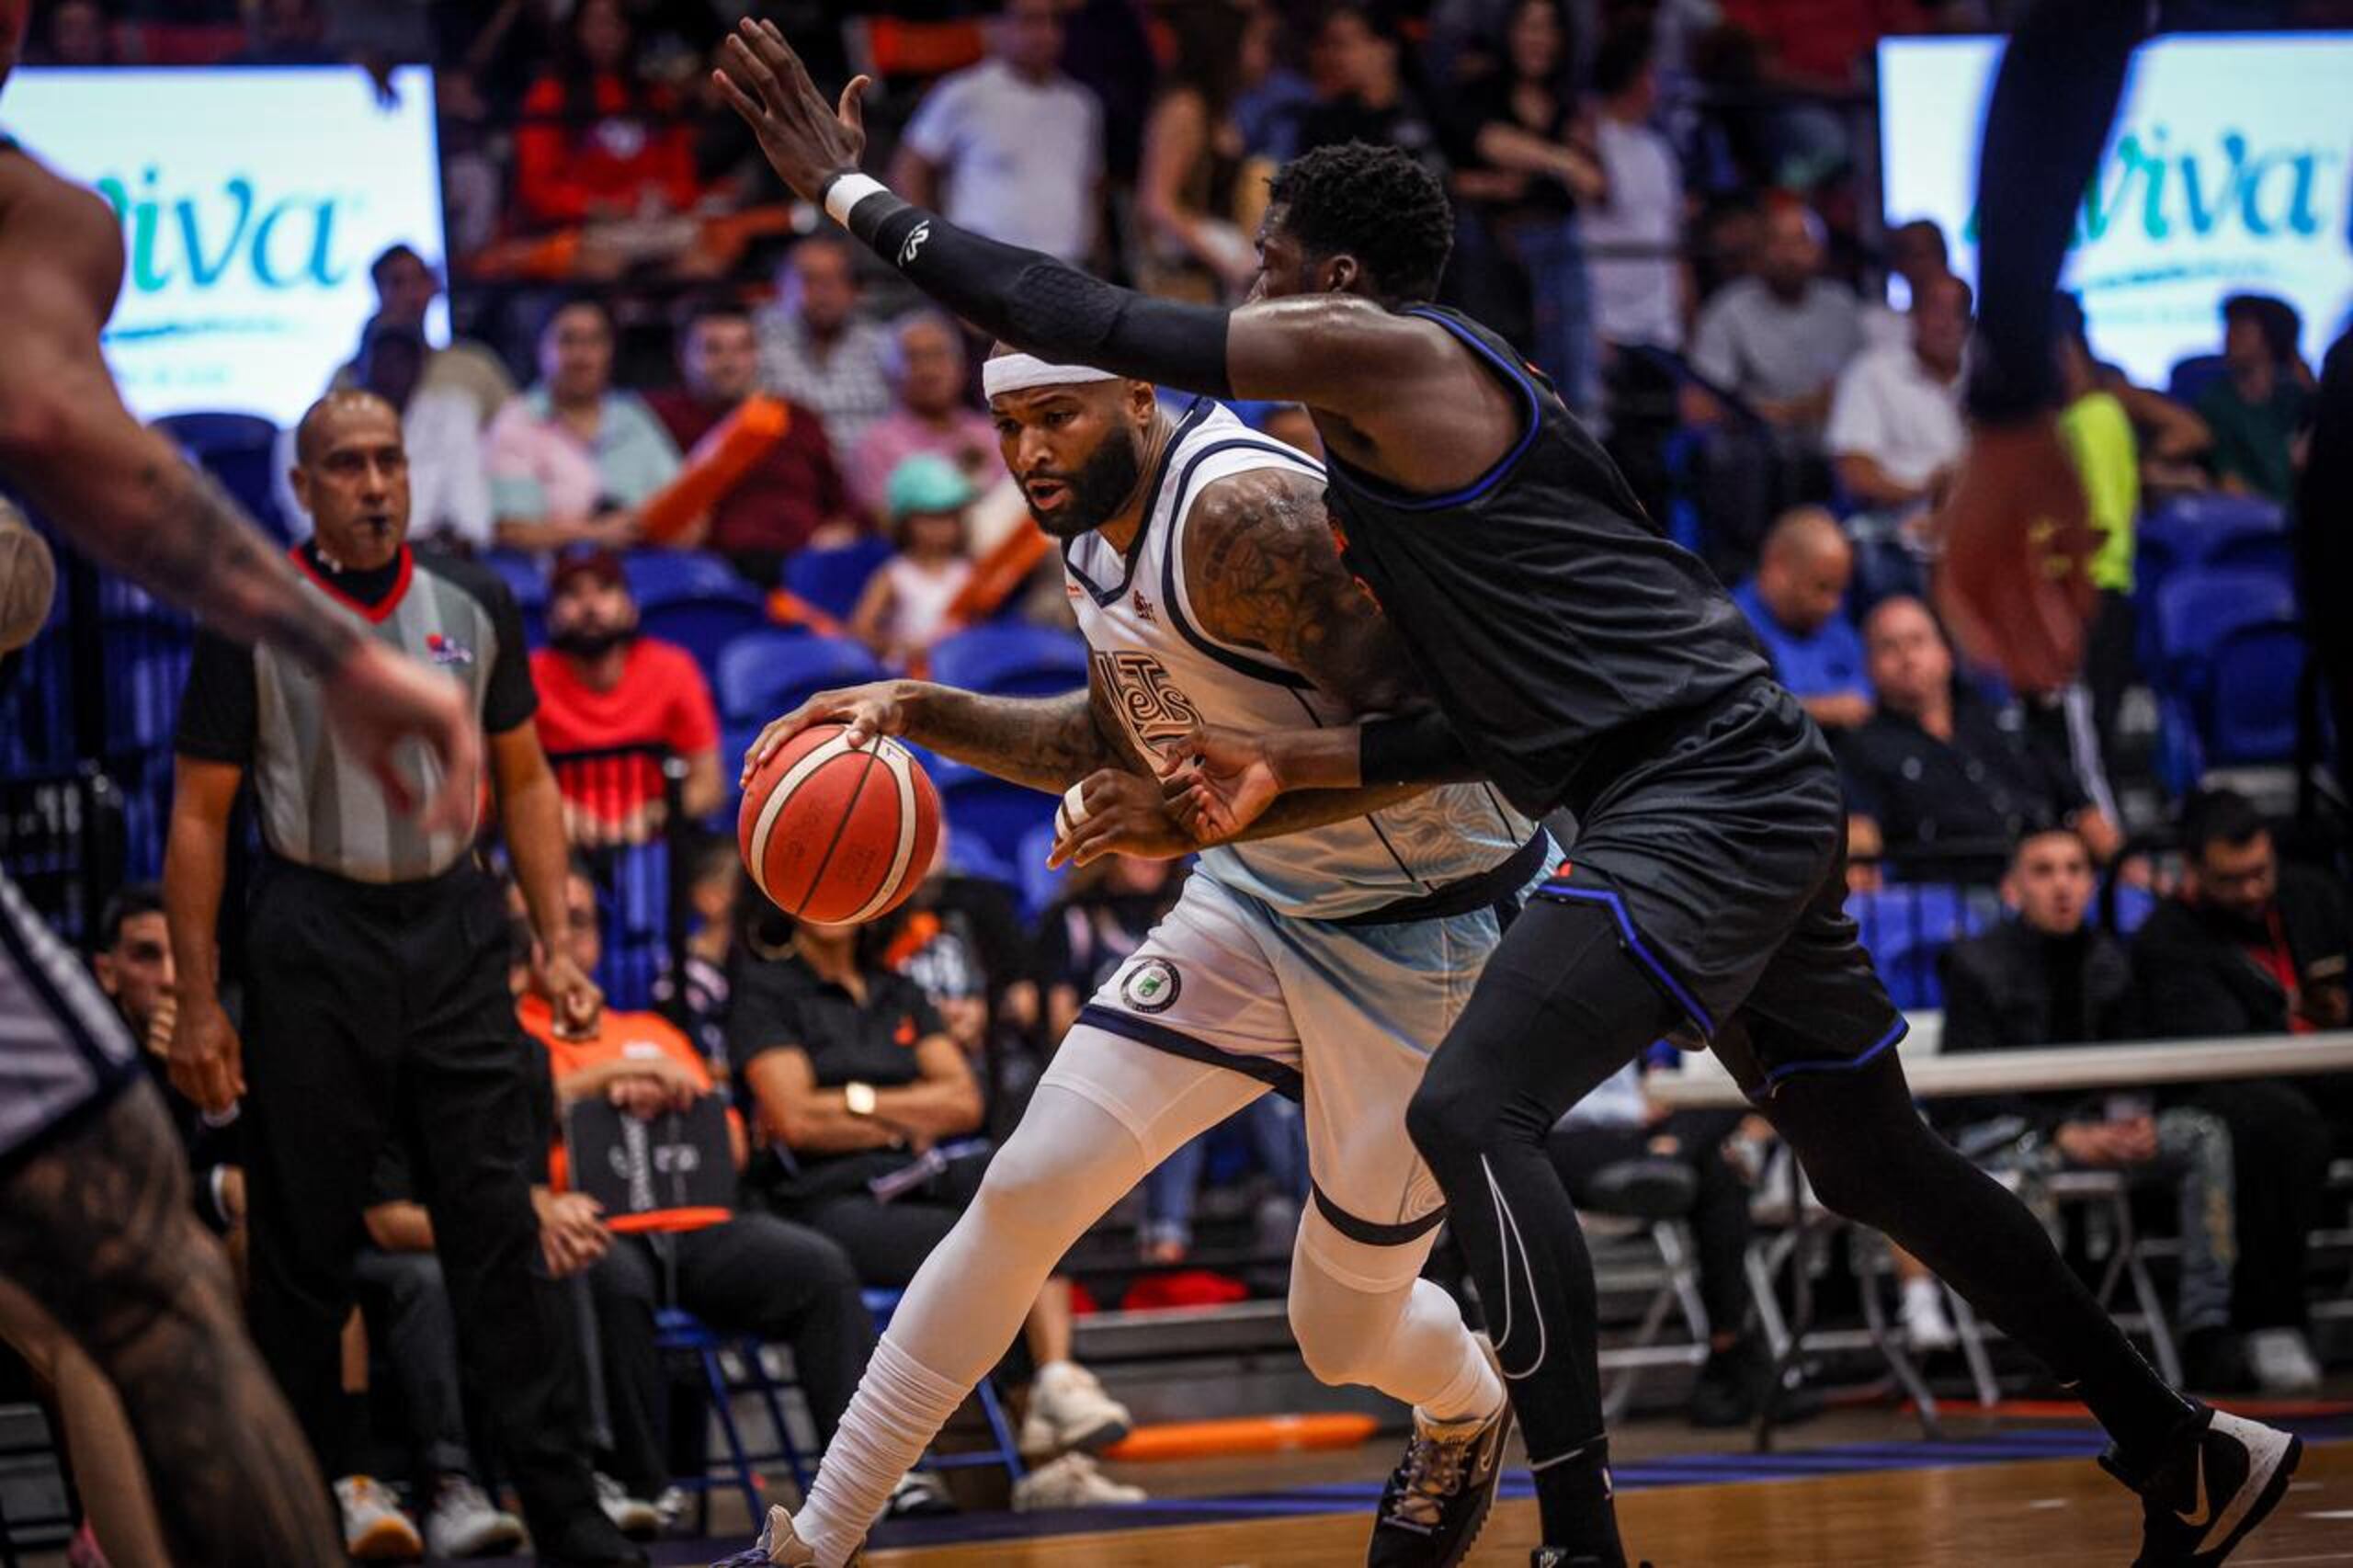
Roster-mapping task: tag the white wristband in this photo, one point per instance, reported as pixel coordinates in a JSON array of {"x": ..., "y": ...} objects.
[{"x": 847, "y": 192}]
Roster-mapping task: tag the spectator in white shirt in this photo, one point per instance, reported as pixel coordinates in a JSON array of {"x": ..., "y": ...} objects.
[
  {"x": 1640, "y": 293},
  {"x": 1018, "y": 144},
  {"x": 448, "y": 484},
  {"x": 816, "y": 350},
  {"x": 1778, "y": 340},
  {"x": 1895, "y": 427}
]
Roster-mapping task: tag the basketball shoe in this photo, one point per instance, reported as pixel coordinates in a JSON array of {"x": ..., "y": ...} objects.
[
  {"x": 2221, "y": 1476},
  {"x": 779, "y": 1546},
  {"x": 1438, "y": 1497}
]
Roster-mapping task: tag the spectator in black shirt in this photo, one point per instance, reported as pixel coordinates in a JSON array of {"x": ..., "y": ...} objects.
[
  {"x": 1933, "y": 769},
  {"x": 2047, "y": 976},
  {"x": 1358, "y": 50},
  {"x": 2249, "y": 946},
  {"x": 867, "y": 1104}
]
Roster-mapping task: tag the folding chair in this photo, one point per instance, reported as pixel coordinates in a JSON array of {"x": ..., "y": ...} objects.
[{"x": 680, "y": 1331}]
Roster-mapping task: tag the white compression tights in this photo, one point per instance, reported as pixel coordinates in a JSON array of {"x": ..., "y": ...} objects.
[{"x": 1108, "y": 1111}]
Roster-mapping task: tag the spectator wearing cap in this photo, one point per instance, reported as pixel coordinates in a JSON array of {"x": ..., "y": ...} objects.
[
  {"x": 1017, "y": 143},
  {"x": 2260, "y": 403},
  {"x": 928, "y": 367},
  {"x": 448, "y": 488},
  {"x": 1796, "y": 605},
  {"x": 905, "y": 606},
  {"x": 817, "y": 350},
  {"x": 793, "y": 496},
  {"x": 1934, "y": 771},
  {"x": 604, "y": 685},
  {"x": 572, "y": 459}
]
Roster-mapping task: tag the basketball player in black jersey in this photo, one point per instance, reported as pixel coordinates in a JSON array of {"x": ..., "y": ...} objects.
[{"x": 1576, "y": 658}]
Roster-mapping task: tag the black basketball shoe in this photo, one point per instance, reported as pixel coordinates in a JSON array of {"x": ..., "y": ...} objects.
[
  {"x": 2221, "y": 1476},
  {"x": 1438, "y": 1499}
]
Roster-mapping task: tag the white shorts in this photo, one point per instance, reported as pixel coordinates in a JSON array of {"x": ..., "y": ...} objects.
[{"x": 1342, "y": 1017}]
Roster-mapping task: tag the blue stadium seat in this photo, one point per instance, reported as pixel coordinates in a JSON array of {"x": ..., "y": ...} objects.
[
  {"x": 241, "y": 452},
  {"x": 970, "y": 854},
  {"x": 2192, "y": 376},
  {"x": 1011, "y": 661},
  {"x": 1039, "y": 887},
  {"x": 2198, "y": 611},
  {"x": 703, "y": 627},
  {"x": 2250, "y": 709},
  {"x": 833, "y": 579},
  {"x": 1905, "y": 927},
  {"x": 675, "y": 576},
  {"x": 2133, "y": 905},
  {"x": 764, "y": 674},
  {"x": 525, "y": 577},
  {"x": 998, "y": 813},
  {"x": 2199, "y": 530}
]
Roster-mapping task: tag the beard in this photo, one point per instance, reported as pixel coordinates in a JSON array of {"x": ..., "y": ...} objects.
[
  {"x": 590, "y": 642},
  {"x": 1095, "y": 493}
]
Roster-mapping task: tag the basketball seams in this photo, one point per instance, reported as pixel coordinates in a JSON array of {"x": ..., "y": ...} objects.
[
  {"x": 780, "y": 795},
  {"x": 886, "y": 895},
  {"x": 841, "y": 825}
]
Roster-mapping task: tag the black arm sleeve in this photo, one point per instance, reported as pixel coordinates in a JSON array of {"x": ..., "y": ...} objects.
[
  {"x": 1420, "y": 748},
  {"x": 1046, "y": 307},
  {"x": 218, "y": 706},
  {"x": 2061, "y": 78}
]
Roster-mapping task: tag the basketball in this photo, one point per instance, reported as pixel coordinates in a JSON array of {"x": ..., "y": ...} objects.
[
  {"x": 28, "y": 581},
  {"x": 836, "y": 834}
]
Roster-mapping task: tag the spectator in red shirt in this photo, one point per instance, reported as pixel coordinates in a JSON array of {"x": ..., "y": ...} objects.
[
  {"x": 793, "y": 497},
  {"x": 601, "y": 686},
  {"x": 597, "y": 140}
]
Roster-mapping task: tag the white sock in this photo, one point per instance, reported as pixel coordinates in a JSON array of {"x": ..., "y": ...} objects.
[{"x": 899, "y": 1407}]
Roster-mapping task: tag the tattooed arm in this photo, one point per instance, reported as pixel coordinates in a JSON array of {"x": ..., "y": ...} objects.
[
  {"x": 1047, "y": 743},
  {"x": 124, "y": 496}
]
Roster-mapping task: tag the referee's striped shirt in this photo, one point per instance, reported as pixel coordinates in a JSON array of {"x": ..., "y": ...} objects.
[{"x": 319, "y": 805}]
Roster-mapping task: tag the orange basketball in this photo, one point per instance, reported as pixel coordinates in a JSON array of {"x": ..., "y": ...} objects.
[{"x": 835, "y": 833}]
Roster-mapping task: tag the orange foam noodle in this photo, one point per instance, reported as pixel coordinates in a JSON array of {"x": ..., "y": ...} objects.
[
  {"x": 718, "y": 462},
  {"x": 996, "y": 575},
  {"x": 1245, "y": 1435}
]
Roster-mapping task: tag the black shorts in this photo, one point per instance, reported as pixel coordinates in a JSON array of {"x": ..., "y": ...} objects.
[{"x": 1720, "y": 853}]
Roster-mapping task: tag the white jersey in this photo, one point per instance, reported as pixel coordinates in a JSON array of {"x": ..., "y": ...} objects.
[{"x": 1165, "y": 674}]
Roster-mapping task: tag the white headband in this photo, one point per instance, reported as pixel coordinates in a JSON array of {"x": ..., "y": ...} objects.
[{"x": 1026, "y": 372}]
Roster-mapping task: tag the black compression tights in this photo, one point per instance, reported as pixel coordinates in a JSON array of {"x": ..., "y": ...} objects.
[{"x": 1561, "y": 1006}]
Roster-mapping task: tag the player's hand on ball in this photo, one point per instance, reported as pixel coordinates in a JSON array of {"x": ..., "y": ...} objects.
[
  {"x": 1116, "y": 813},
  {"x": 865, "y": 711},
  {"x": 2014, "y": 584},
  {"x": 1223, "y": 780},
  {"x": 207, "y": 1058},
  {"x": 807, "y": 140}
]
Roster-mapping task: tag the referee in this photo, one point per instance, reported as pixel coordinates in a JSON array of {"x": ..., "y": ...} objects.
[{"x": 376, "y": 1003}]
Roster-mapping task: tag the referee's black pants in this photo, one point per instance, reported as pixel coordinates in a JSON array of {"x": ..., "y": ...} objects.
[{"x": 382, "y": 1012}]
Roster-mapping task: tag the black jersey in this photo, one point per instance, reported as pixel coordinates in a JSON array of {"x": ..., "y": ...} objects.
[{"x": 1543, "y": 610}]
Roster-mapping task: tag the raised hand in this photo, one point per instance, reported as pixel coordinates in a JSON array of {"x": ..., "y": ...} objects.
[
  {"x": 807, "y": 140},
  {"x": 865, "y": 711},
  {"x": 2014, "y": 584}
]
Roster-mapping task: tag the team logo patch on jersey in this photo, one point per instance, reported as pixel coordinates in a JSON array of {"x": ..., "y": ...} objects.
[
  {"x": 1144, "y": 608},
  {"x": 1153, "y": 986},
  {"x": 443, "y": 650}
]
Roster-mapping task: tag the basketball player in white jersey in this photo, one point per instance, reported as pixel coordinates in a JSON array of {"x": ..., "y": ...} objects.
[{"x": 1324, "y": 963}]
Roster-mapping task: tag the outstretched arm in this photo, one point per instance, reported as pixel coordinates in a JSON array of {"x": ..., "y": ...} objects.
[{"x": 1332, "y": 352}]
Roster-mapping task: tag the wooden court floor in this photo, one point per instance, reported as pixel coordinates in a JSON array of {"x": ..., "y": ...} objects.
[{"x": 2036, "y": 1513}]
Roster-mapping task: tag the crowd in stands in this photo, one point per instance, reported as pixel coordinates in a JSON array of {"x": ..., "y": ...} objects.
[{"x": 1648, "y": 228}]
